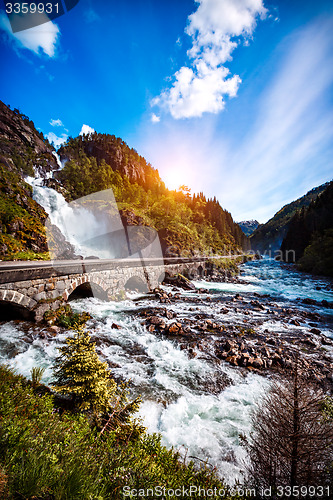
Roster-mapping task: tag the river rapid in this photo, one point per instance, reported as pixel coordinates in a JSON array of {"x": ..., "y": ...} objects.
[{"x": 199, "y": 402}]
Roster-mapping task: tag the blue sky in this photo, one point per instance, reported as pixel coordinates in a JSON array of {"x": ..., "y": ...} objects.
[{"x": 230, "y": 97}]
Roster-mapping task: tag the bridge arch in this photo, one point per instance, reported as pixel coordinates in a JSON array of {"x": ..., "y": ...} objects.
[
  {"x": 15, "y": 305},
  {"x": 86, "y": 287},
  {"x": 136, "y": 283}
]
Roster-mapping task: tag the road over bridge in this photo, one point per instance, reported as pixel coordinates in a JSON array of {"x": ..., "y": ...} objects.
[{"x": 28, "y": 289}]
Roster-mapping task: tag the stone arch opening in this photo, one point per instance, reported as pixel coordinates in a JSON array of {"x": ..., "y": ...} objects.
[
  {"x": 137, "y": 284},
  {"x": 166, "y": 278},
  {"x": 88, "y": 289},
  {"x": 201, "y": 271},
  {"x": 11, "y": 310}
]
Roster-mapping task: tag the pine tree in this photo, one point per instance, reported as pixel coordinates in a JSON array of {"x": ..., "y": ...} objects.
[{"x": 80, "y": 373}]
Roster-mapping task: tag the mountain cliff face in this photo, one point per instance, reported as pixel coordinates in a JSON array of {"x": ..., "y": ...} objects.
[
  {"x": 22, "y": 147},
  {"x": 268, "y": 237},
  {"x": 248, "y": 226},
  {"x": 23, "y": 151},
  {"x": 309, "y": 239}
]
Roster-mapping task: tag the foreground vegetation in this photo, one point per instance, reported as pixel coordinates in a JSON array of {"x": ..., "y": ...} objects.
[{"x": 87, "y": 446}]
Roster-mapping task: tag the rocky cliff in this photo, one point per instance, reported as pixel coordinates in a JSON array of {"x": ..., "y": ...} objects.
[
  {"x": 23, "y": 151},
  {"x": 22, "y": 148}
]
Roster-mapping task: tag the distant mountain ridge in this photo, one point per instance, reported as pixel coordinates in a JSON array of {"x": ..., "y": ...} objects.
[
  {"x": 248, "y": 226},
  {"x": 268, "y": 237}
]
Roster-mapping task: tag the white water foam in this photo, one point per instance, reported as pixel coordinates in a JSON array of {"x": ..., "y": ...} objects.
[{"x": 176, "y": 404}]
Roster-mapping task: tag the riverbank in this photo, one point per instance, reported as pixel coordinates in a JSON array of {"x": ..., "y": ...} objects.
[{"x": 193, "y": 392}]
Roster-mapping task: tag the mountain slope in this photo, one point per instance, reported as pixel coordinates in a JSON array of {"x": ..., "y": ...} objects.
[
  {"x": 309, "y": 239},
  {"x": 268, "y": 237},
  {"x": 22, "y": 148},
  {"x": 187, "y": 225},
  {"x": 113, "y": 151}
]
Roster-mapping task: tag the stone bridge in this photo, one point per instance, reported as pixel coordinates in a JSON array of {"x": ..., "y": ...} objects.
[{"x": 28, "y": 289}]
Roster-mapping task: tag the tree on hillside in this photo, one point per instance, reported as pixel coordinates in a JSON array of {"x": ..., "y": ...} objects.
[{"x": 291, "y": 443}]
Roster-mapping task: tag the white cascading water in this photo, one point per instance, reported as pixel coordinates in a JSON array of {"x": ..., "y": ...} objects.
[{"x": 77, "y": 224}]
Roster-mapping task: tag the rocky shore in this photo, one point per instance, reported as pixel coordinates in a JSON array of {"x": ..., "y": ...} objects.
[{"x": 252, "y": 333}]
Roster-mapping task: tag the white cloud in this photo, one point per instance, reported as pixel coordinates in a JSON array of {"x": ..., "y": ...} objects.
[
  {"x": 56, "y": 140},
  {"x": 283, "y": 146},
  {"x": 56, "y": 123},
  {"x": 215, "y": 28},
  {"x": 289, "y": 148},
  {"x": 42, "y": 38},
  {"x": 154, "y": 118},
  {"x": 85, "y": 130}
]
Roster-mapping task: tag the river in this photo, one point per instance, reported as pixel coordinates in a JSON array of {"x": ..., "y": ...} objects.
[{"x": 199, "y": 403}]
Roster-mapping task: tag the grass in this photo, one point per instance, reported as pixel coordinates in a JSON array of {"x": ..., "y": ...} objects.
[
  {"x": 47, "y": 453},
  {"x": 27, "y": 255}
]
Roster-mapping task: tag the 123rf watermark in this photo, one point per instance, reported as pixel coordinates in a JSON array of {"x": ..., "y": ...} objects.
[
  {"x": 193, "y": 491},
  {"x": 24, "y": 14}
]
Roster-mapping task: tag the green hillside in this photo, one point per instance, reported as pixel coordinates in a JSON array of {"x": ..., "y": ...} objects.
[
  {"x": 268, "y": 237},
  {"x": 187, "y": 224},
  {"x": 309, "y": 239}
]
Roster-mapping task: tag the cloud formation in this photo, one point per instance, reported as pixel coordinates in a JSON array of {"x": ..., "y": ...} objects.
[
  {"x": 56, "y": 140},
  {"x": 85, "y": 130},
  {"x": 217, "y": 27},
  {"x": 40, "y": 39},
  {"x": 154, "y": 118},
  {"x": 56, "y": 123},
  {"x": 285, "y": 147}
]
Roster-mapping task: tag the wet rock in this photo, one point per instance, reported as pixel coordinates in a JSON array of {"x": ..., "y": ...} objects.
[
  {"x": 276, "y": 359},
  {"x": 27, "y": 340},
  {"x": 233, "y": 360},
  {"x": 257, "y": 363},
  {"x": 295, "y": 322},
  {"x": 13, "y": 352},
  {"x": 316, "y": 331},
  {"x": 309, "y": 302},
  {"x": 174, "y": 329},
  {"x": 228, "y": 345},
  {"x": 115, "y": 326},
  {"x": 310, "y": 342},
  {"x": 155, "y": 320}
]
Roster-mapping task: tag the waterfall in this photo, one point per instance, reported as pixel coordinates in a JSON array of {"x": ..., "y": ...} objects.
[{"x": 93, "y": 225}]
